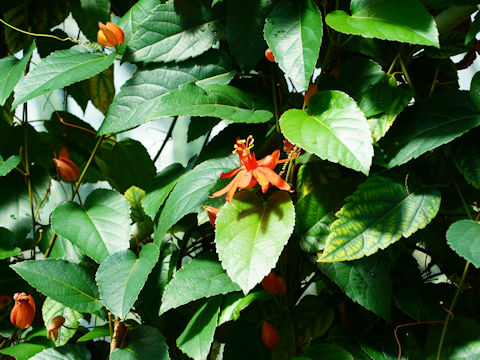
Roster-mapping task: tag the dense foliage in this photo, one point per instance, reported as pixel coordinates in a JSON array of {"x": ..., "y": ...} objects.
[{"x": 343, "y": 226}]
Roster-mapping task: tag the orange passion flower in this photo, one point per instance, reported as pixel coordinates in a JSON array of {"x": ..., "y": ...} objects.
[
  {"x": 23, "y": 311},
  {"x": 67, "y": 167},
  {"x": 110, "y": 34},
  {"x": 253, "y": 171}
]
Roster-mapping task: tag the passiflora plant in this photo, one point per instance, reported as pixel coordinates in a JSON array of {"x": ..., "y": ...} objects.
[{"x": 343, "y": 226}]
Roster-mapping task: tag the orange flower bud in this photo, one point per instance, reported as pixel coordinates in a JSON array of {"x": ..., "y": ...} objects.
[
  {"x": 269, "y": 55},
  {"x": 281, "y": 286},
  {"x": 270, "y": 335},
  {"x": 312, "y": 90},
  {"x": 110, "y": 34},
  {"x": 66, "y": 167},
  {"x": 4, "y": 300},
  {"x": 212, "y": 214},
  {"x": 269, "y": 283},
  {"x": 54, "y": 325},
  {"x": 23, "y": 311}
]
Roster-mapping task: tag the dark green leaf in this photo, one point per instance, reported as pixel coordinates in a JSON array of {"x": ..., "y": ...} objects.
[
  {"x": 327, "y": 351},
  {"x": 121, "y": 277},
  {"x": 200, "y": 126},
  {"x": 336, "y": 130},
  {"x": 191, "y": 191},
  {"x": 7, "y": 244},
  {"x": 466, "y": 156},
  {"x": 88, "y": 13},
  {"x": 475, "y": 90},
  {"x": 100, "y": 89},
  {"x": 60, "y": 69},
  {"x": 128, "y": 163},
  {"x": 68, "y": 283},
  {"x": 293, "y": 31},
  {"x": 398, "y": 20},
  {"x": 197, "y": 338},
  {"x": 464, "y": 237},
  {"x": 244, "y": 32},
  {"x": 143, "y": 343},
  {"x": 251, "y": 234},
  {"x": 96, "y": 332},
  {"x": 474, "y": 29},
  {"x": 366, "y": 281},
  {"x": 11, "y": 70},
  {"x": 23, "y": 351},
  {"x": 379, "y": 213},
  {"x": 172, "y": 32},
  {"x": 203, "y": 277},
  {"x": 161, "y": 186},
  {"x": 99, "y": 228},
  {"x": 428, "y": 125},
  {"x": 135, "y": 102}
]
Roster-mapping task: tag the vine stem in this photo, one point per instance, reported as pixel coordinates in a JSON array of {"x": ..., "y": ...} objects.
[
  {"x": 169, "y": 134},
  {"x": 405, "y": 72},
  {"x": 460, "y": 285},
  {"x": 275, "y": 105},
  {"x": 75, "y": 190}
]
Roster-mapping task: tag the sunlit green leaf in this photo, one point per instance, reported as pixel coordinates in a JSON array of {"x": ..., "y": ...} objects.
[
  {"x": 464, "y": 237},
  {"x": 9, "y": 164},
  {"x": 60, "y": 69},
  {"x": 293, "y": 31},
  {"x": 121, "y": 277},
  {"x": 11, "y": 70},
  {"x": 234, "y": 303},
  {"x": 52, "y": 308},
  {"x": 379, "y": 213},
  {"x": 336, "y": 130},
  {"x": 398, "y": 20},
  {"x": 203, "y": 277},
  {"x": 197, "y": 338},
  {"x": 251, "y": 234},
  {"x": 7, "y": 244},
  {"x": 67, "y": 352},
  {"x": 66, "y": 282},
  {"x": 99, "y": 228}
]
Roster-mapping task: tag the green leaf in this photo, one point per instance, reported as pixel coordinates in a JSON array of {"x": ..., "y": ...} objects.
[
  {"x": 95, "y": 333},
  {"x": 200, "y": 126},
  {"x": 67, "y": 352},
  {"x": 466, "y": 156},
  {"x": 397, "y": 20},
  {"x": 160, "y": 187},
  {"x": 9, "y": 164},
  {"x": 475, "y": 90},
  {"x": 215, "y": 100},
  {"x": 379, "y": 213},
  {"x": 88, "y": 13},
  {"x": 128, "y": 163},
  {"x": 99, "y": 228},
  {"x": 143, "y": 343},
  {"x": 68, "y": 283},
  {"x": 336, "y": 131},
  {"x": 121, "y": 277},
  {"x": 203, "y": 277},
  {"x": 52, "y": 308},
  {"x": 366, "y": 281},
  {"x": 251, "y": 234},
  {"x": 7, "y": 244},
  {"x": 327, "y": 351},
  {"x": 62, "y": 249},
  {"x": 135, "y": 196},
  {"x": 60, "y": 69},
  {"x": 474, "y": 30},
  {"x": 375, "y": 92},
  {"x": 11, "y": 70},
  {"x": 172, "y": 32},
  {"x": 100, "y": 89},
  {"x": 428, "y": 125},
  {"x": 244, "y": 32},
  {"x": 293, "y": 32},
  {"x": 315, "y": 213},
  {"x": 466, "y": 350},
  {"x": 191, "y": 191},
  {"x": 234, "y": 303},
  {"x": 134, "y": 104},
  {"x": 197, "y": 338},
  {"x": 464, "y": 238},
  {"x": 23, "y": 351}
]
